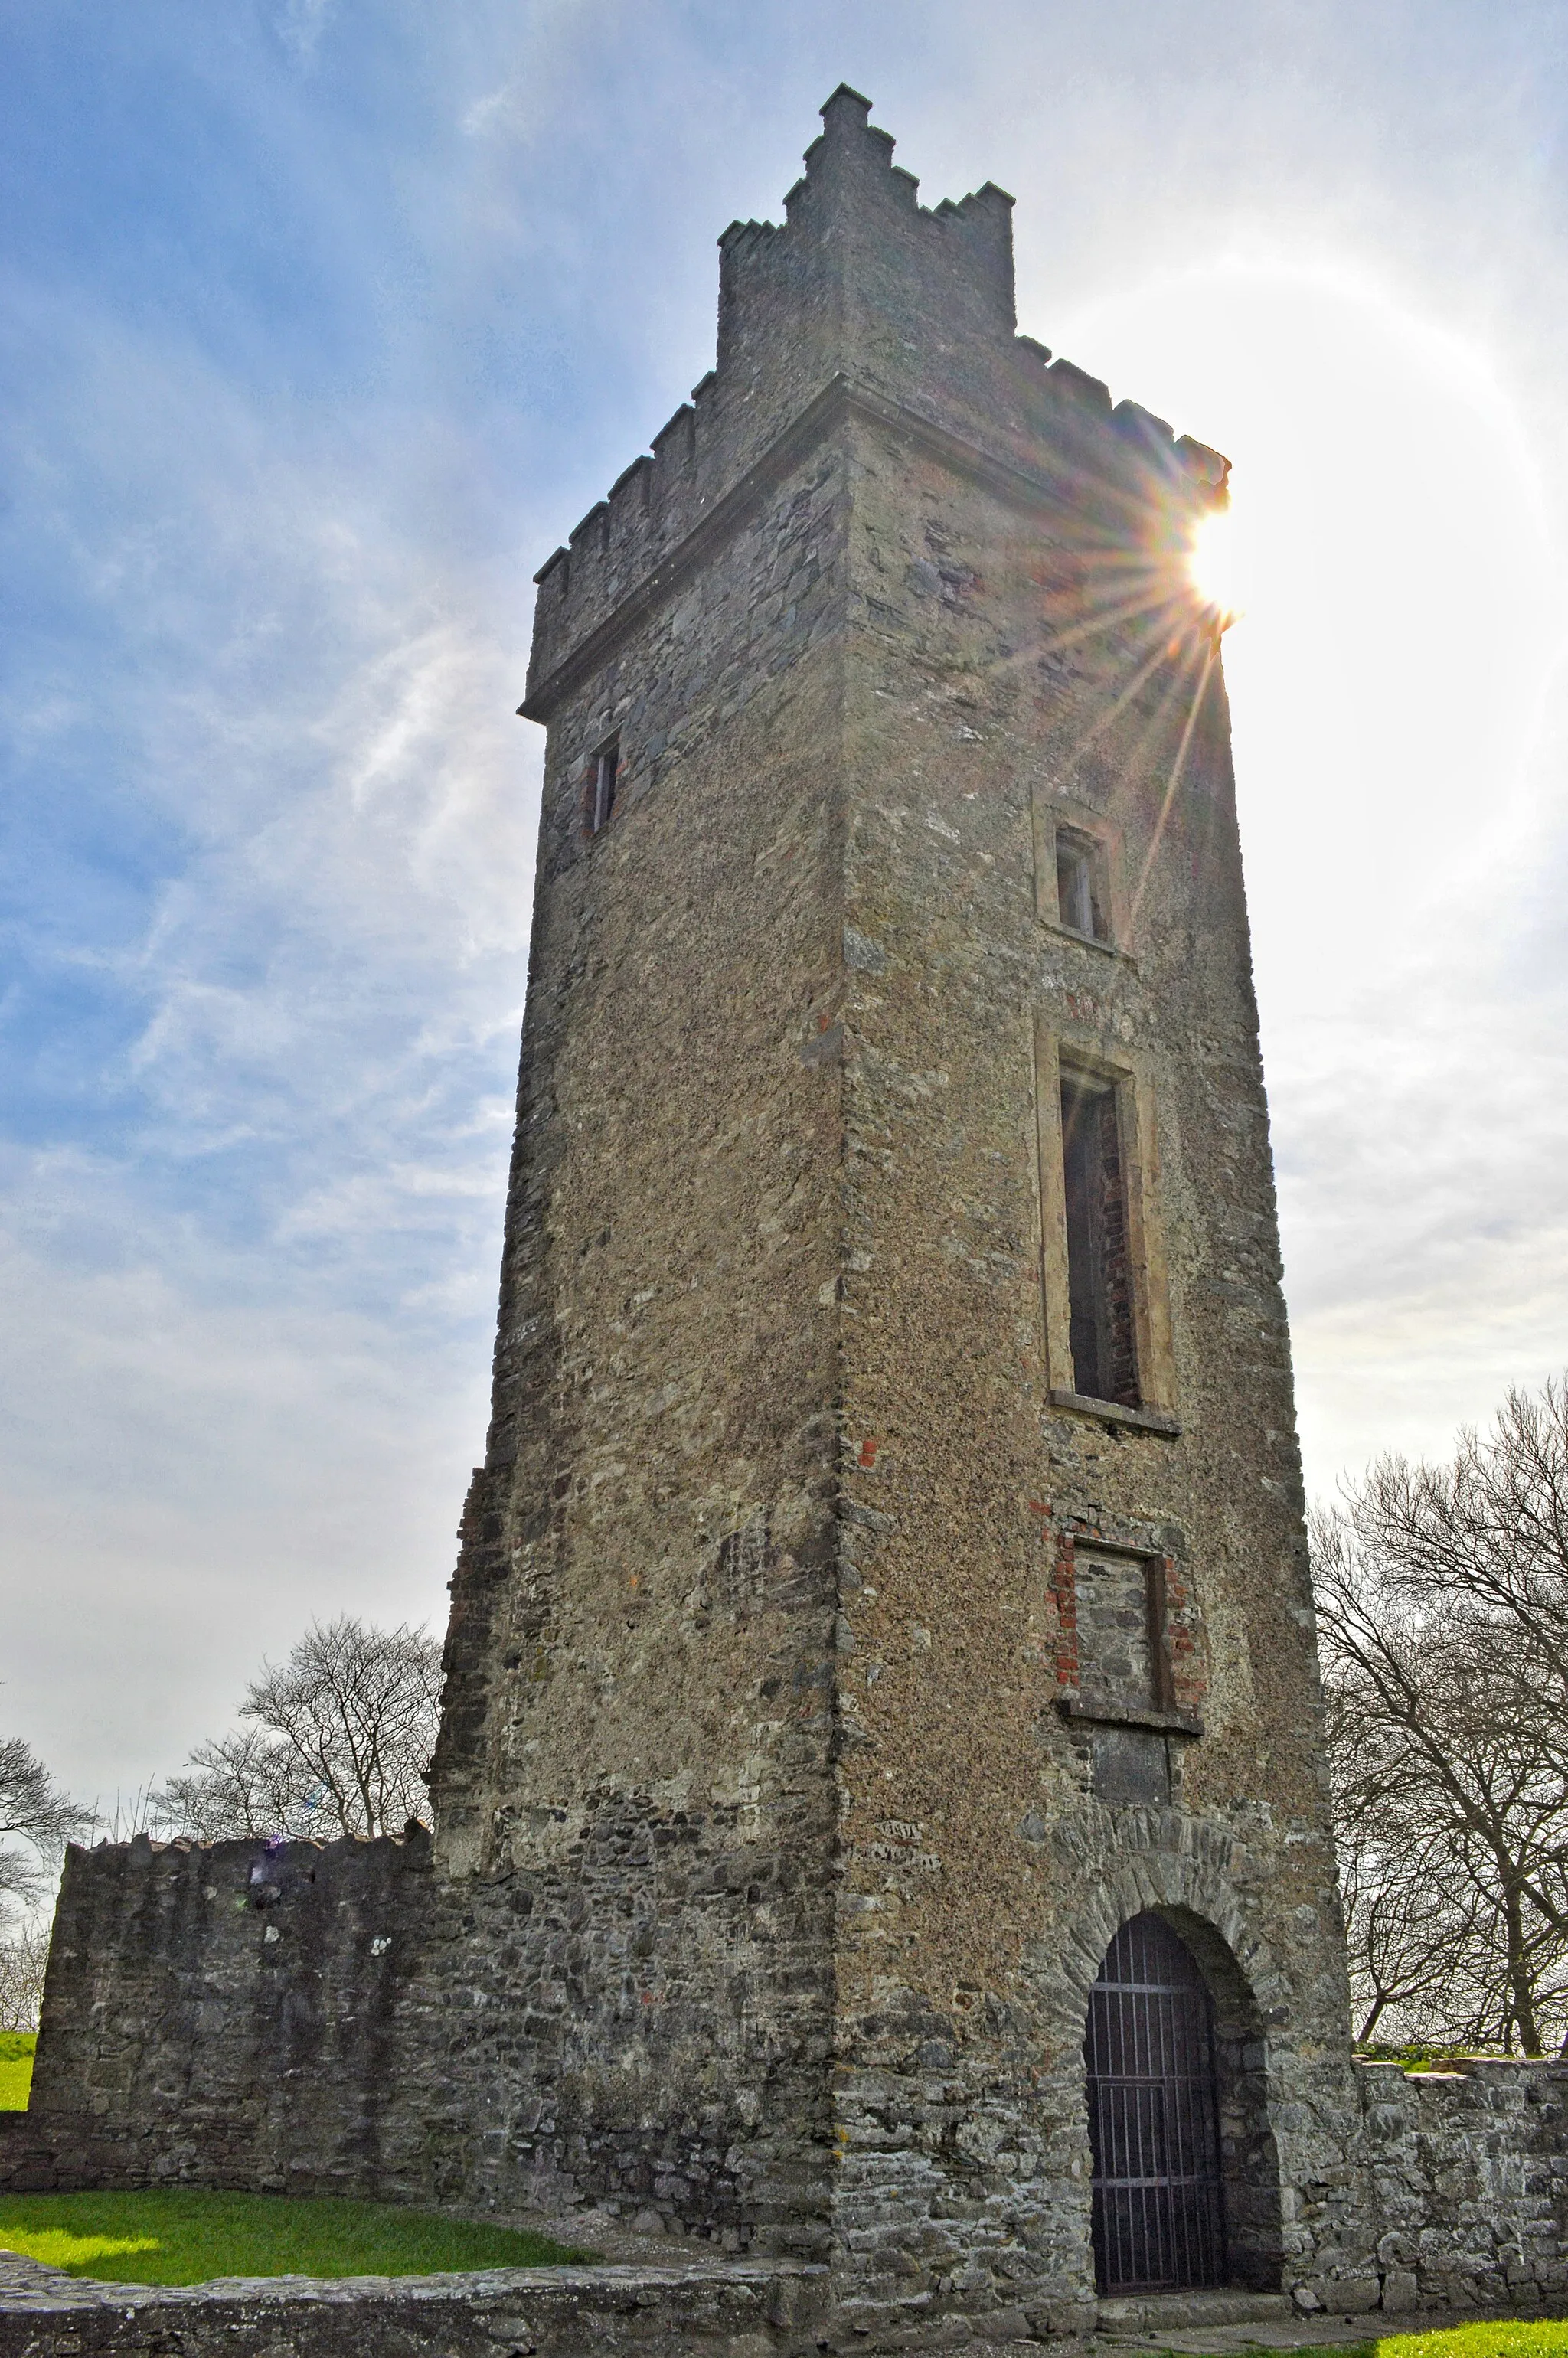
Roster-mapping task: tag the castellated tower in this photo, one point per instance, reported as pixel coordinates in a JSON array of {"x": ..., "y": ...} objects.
[
  {"x": 880, "y": 1820},
  {"x": 881, "y": 1652}
]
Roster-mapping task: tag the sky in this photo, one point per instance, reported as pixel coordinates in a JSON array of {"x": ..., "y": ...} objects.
[{"x": 322, "y": 322}]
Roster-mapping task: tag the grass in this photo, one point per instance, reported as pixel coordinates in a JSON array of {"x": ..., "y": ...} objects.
[
  {"x": 178, "y": 2236},
  {"x": 1520, "y": 2338},
  {"x": 15, "y": 2068},
  {"x": 1421, "y": 2055}
]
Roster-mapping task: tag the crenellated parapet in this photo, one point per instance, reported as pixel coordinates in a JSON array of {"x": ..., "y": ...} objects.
[{"x": 862, "y": 295}]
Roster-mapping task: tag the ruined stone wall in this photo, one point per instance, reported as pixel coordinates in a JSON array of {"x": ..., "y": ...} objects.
[
  {"x": 1455, "y": 2196},
  {"x": 617, "y": 2312},
  {"x": 226, "y": 2014}
]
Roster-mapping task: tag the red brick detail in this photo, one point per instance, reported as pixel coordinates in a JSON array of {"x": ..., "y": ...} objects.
[
  {"x": 1186, "y": 1654},
  {"x": 1063, "y": 1589}
]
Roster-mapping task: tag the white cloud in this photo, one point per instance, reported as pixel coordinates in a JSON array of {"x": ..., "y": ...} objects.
[
  {"x": 194, "y": 1470},
  {"x": 250, "y": 1315}
]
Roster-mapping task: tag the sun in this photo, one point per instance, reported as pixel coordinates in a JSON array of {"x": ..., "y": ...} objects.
[{"x": 1212, "y": 564}]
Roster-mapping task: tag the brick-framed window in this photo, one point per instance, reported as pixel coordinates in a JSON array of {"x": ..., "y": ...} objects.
[
  {"x": 1129, "y": 1644},
  {"x": 1108, "y": 1335}
]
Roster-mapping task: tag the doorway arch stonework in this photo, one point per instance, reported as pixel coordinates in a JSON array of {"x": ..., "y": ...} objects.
[
  {"x": 1286, "y": 2097},
  {"x": 962, "y": 2131}
]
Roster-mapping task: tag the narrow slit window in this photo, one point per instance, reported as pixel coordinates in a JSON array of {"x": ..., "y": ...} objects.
[
  {"x": 1099, "y": 1262},
  {"x": 1080, "y": 896},
  {"x": 601, "y": 786}
]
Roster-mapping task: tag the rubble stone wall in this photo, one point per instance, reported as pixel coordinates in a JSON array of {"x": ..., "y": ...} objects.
[
  {"x": 618, "y": 2313},
  {"x": 282, "y": 2033},
  {"x": 1455, "y": 2195},
  {"x": 633, "y": 1781},
  {"x": 1009, "y": 662},
  {"x": 226, "y": 2014}
]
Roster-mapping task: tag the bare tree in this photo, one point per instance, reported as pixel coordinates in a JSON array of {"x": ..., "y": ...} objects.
[
  {"x": 1402, "y": 1926},
  {"x": 246, "y": 1783},
  {"x": 338, "y": 1737},
  {"x": 36, "y": 1820},
  {"x": 1442, "y": 1599},
  {"x": 22, "y": 1960}
]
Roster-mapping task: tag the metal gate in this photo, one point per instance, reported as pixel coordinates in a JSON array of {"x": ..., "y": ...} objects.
[{"x": 1153, "y": 2126}]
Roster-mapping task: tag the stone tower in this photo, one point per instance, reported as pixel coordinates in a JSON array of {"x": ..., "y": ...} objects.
[
  {"x": 881, "y": 1818},
  {"x": 887, "y": 1577}
]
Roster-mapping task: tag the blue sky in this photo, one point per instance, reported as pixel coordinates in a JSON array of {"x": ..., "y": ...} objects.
[{"x": 323, "y": 322}]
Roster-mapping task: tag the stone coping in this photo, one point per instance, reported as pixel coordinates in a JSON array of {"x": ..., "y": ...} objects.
[
  {"x": 736, "y": 2309},
  {"x": 32, "y": 2284}
]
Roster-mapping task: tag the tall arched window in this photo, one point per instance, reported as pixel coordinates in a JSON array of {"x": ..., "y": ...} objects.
[{"x": 1159, "y": 2220}]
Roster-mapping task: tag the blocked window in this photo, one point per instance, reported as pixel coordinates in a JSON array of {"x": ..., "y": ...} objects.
[
  {"x": 1081, "y": 896},
  {"x": 1101, "y": 1328},
  {"x": 1116, "y": 1653},
  {"x": 1118, "y": 1642},
  {"x": 601, "y": 797},
  {"x": 1119, "y": 1638}
]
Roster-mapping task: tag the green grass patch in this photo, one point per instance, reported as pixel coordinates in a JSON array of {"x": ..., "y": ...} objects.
[
  {"x": 1539, "y": 2337},
  {"x": 1421, "y": 2055},
  {"x": 1536, "y": 2337},
  {"x": 15, "y": 2068},
  {"x": 180, "y": 2236}
]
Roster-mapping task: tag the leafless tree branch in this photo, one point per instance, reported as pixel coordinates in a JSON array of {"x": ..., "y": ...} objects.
[
  {"x": 1443, "y": 1601},
  {"x": 338, "y": 1740},
  {"x": 37, "y": 1820}
]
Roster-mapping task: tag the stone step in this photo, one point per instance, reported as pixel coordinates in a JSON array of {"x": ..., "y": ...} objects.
[{"x": 1146, "y": 2314}]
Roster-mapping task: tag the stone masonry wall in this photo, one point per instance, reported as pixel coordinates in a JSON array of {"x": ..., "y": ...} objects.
[
  {"x": 862, "y": 284},
  {"x": 1011, "y": 660},
  {"x": 1455, "y": 2195},
  {"x": 617, "y": 2312},
  {"x": 822, "y": 927},
  {"x": 633, "y": 1783},
  {"x": 225, "y": 2015}
]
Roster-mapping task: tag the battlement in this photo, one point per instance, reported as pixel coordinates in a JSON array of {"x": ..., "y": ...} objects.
[{"x": 861, "y": 291}]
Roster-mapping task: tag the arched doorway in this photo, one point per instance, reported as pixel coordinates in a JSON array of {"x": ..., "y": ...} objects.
[{"x": 1153, "y": 2089}]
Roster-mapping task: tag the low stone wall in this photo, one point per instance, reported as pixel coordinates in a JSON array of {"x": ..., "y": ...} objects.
[
  {"x": 730, "y": 2312},
  {"x": 1455, "y": 2197},
  {"x": 226, "y": 2014}
]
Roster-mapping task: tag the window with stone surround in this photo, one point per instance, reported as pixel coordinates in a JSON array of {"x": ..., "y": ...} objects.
[
  {"x": 1082, "y": 899},
  {"x": 599, "y": 801},
  {"x": 1100, "y": 1272},
  {"x": 1107, "y": 1337},
  {"x": 1077, "y": 869}
]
